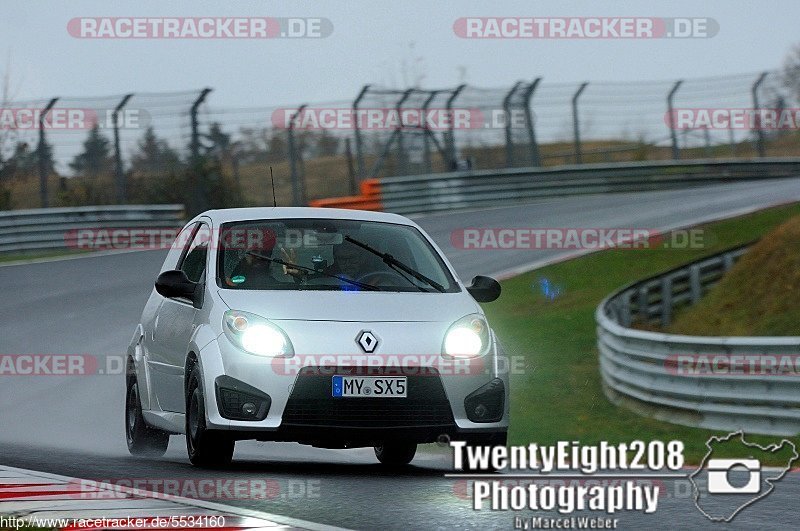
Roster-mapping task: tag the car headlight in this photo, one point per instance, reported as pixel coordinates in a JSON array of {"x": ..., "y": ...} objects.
[
  {"x": 256, "y": 335},
  {"x": 467, "y": 338}
]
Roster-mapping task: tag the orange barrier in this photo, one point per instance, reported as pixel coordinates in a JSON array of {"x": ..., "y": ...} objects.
[
  {"x": 369, "y": 199},
  {"x": 370, "y": 187}
]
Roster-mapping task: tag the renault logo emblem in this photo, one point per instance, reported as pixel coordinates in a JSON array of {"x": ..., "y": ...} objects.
[{"x": 367, "y": 341}]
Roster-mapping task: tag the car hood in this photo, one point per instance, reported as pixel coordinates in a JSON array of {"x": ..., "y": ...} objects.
[{"x": 350, "y": 306}]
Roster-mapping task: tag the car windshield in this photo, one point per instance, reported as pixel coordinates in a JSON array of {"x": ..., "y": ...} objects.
[{"x": 329, "y": 254}]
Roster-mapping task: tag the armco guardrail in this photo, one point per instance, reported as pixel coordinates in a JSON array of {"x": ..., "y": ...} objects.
[
  {"x": 640, "y": 369},
  {"x": 47, "y": 229},
  {"x": 466, "y": 189}
]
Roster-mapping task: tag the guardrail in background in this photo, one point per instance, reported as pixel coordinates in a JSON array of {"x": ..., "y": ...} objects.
[
  {"x": 47, "y": 229},
  {"x": 639, "y": 368},
  {"x": 416, "y": 194}
]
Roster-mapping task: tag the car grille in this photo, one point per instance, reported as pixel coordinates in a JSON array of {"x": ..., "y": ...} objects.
[{"x": 311, "y": 403}]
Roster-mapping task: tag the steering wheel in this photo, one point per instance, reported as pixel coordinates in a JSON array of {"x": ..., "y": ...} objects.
[{"x": 384, "y": 278}]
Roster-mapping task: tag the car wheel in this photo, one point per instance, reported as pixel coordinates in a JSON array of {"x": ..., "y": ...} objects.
[
  {"x": 206, "y": 448},
  {"x": 141, "y": 438},
  {"x": 395, "y": 454}
]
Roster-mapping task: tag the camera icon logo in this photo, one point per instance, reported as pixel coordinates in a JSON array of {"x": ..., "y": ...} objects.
[{"x": 719, "y": 472}]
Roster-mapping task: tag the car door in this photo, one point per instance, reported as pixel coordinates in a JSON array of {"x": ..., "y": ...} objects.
[{"x": 174, "y": 326}]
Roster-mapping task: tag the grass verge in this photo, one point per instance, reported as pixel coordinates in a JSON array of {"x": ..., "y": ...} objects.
[
  {"x": 36, "y": 256},
  {"x": 559, "y": 396},
  {"x": 755, "y": 297}
]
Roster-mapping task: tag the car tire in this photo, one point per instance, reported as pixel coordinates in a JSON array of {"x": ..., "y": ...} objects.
[
  {"x": 395, "y": 454},
  {"x": 142, "y": 439},
  {"x": 206, "y": 448}
]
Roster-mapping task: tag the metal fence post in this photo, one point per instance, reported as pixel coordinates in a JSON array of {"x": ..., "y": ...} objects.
[
  {"x": 119, "y": 174},
  {"x": 507, "y": 117},
  {"x": 297, "y": 188},
  {"x": 759, "y": 131},
  {"x": 426, "y": 145},
  {"x": 450, "y": 139},
  {"x": 194, "y": 146},
  {"x": 576, "y": 129},
  {"x": 41, "y": 157},
  {"x": 666, "y": 301},
  {"x": 727, "y": 262},
  {"x": 197, "y": 188},
  {"x": 732, "y": 142},
  {"x": 695, "y": 287},
  {"x": 402, "y": 159},
  {"x": 676, "y": 151},
  {"x": 237, "y": 178},
  {"x": 362, "y": 169},
  {"x": 643, "y": 304},
  {"x": 351, "y": 170},
  {"x": 534, "y": 146},
  {"x": 707, "y": 142},
  {"x": 625, "y": 311}
]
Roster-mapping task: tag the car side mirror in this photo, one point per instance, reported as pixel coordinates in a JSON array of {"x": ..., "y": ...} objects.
[
  {"x": 484, "y": 289},
  {"x": 173, "y": 284}
]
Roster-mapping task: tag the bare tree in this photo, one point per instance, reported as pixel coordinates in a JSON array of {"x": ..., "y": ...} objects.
[
  {"x": 7, "y": 135},
  {"x": 791, "y": 72}
]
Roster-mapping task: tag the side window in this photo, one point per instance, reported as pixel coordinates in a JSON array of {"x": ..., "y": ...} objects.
[
  {"x": 176, "y": 249},
  {"x": 194, "y": 263}
]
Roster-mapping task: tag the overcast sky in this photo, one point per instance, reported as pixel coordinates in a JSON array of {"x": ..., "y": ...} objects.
[{"x": 370, "y": 43}]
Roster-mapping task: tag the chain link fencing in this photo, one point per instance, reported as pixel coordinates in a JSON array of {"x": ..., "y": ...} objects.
[{"x": 180, "y": 147}]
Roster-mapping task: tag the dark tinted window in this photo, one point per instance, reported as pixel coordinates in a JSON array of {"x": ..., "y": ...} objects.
[{"x": 194, "y": 263}]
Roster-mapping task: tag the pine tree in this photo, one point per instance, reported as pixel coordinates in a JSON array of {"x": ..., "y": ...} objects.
[{"x": 96, "y": 156}]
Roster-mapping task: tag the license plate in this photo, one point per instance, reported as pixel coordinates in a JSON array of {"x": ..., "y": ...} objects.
[{"x": 369, "y": 387}]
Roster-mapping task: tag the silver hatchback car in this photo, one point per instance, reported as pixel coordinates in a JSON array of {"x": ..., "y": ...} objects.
[{"x": 333, "y": 328}]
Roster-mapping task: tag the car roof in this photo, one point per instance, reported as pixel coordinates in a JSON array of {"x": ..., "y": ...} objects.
[{"x": 227, "y": 215}]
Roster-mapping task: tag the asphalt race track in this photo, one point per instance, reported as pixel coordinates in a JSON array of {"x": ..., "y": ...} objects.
[{"x": 74, "y": 425}]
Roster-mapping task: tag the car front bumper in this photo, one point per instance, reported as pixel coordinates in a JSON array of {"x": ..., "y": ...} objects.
[{"x": 301, "y": 406}]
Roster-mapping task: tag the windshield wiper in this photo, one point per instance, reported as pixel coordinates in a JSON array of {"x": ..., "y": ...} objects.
[
  {"x": 311, "y": 270},
  {"x": 405, "y": 277},
  {"x": 390, "y": 260}
]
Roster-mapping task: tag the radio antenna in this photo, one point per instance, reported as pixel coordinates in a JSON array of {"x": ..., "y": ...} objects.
[{"x": 271, "y": 178}]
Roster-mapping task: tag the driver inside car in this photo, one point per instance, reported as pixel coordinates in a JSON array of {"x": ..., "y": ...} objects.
[
  {"x": 351, "y": 266},
  {"x": 348, "y": 262},
  {"x": 254, "y": 268}
]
